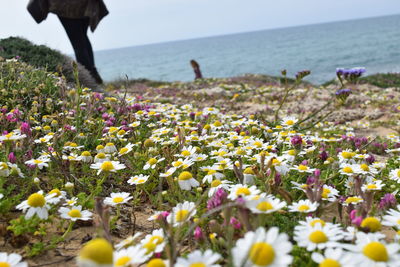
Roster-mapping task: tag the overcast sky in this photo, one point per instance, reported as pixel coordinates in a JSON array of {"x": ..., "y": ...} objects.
[{"x": 137, "y": 22}]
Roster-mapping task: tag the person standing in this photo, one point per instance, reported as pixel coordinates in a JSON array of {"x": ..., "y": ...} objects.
[{"x": 76, "y": 16}]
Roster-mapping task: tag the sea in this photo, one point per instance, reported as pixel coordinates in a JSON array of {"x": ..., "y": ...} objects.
[{"x": 373, "y": 43}]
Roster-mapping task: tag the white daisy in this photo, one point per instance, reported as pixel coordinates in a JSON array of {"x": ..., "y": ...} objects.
[
  {"x": 130, "y": 256},
  {"x": 318, "y": 236},
  {"x": 11, "y": 260},
  {"x": 39, "y": 162},
  {"x": 181, "y": 213},
  {"x": 333, "y": 257},
  {"x": 36, "y": 204},
  {"x": 217, "y": 184},
  {"x": 392, "y": 218},
  {"x": 117, "y": 199},
  {"x": 154, "y": 242},
  {"x": 369, "y": 251},
  {"x": 152, "y": 163},
  {"x": 138, "y": 179},
  {"x": 129, "y": 241},
  {"x": 207, "y": 258},
  {"x": 304, "y": 206},
  {"x": 107, "y": 166},
  {"x": 75, "y": 213},
  {"x": 265, "y": 204},
  {"x": 241, "y": 190},
  {"x": 186, "y": 181},
  {"x": 261, "y": 248}
]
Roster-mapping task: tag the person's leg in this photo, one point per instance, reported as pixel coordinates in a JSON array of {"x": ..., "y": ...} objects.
[{"x": 76, "y": 30}]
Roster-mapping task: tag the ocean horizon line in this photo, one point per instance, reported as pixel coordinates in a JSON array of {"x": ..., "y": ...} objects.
[{"x": 245, "y": 32}]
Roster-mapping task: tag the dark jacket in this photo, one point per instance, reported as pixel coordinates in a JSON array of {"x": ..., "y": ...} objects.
[{"x": 95, "y": 10}]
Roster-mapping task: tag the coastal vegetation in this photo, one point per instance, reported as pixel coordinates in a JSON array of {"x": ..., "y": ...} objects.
[{"x": 244, "y": 171}]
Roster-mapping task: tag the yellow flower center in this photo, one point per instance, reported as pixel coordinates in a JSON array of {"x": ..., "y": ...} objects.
[
  {"x": 398, "y": 173},
  {"x": 292, "y": 152},
  {"x": 98, "y": 250},
  {"x": 243, "y": 191},
  {"x": 4, "y": 264},
  {"x": 123, "y": 150},
  {"x": 376, "y": 251},
  {"x": 318, "y": 237},
  {"x": 185, "y": 153},
  {"x": 347, "y": 169},
  {"x": 55, "y": 191},
  {"x": 302, "y": 167},
  {"x": 177, "y": 163},
  {"x": 74, "y": 213},
  {"x": 325, "y": 192},
  {"x": 211, "y": 172},
  {"x": 372, "y": 223},
  {"x": 262, "y": 254},
  {"x": 217, "y": 124},
  {"x": 347, "y": 155},
  {"x": 215, "y": 183},
  {"x": 364, "y": 167},
  {"x": 264, "y": 206},
  {"x": 314, "y": 222},
  {"x": 156, "y": 263},
  {"x": 101, "y": 156},
  {"x": 122, "y": 261},
  {"x": 276, "y": 162},
  {"x": 257, "y": 144},
  {"x": 185, "y": 176},
  {"x": 99, "y": 147},
  {"x": 197, "y": 264},
  {"x": 156, "y": 239},
  {"x": 4, "y": 165},
  {"x": 107, "y": 166},
  {"x": 118, "y": 199},
  {"x": 86, "y": 154},
  {"x": 181, "y": 215},
  {"x": 37, "y": 161},
  {"x": 329, "y": 263},
  {"x": 152, "y": 161},
  {"x": 372, "y": 186},
  {"x": 248, "y": 171},
  {"x": 303, "y": 207},
  {"x": 352, "y": 200},
  {"x": 121, "y": 132},
  {"x": 289, "y": 122},
  {"x": 36, "y": 200},
  {"x": 150, "y": 247}
]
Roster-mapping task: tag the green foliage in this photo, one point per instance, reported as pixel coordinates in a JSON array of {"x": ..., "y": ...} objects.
[
  {"x": 383, "y": 80},
  {"x": 39, "y": 56},
  {"x": 22, "y": 85},
  {"x": 22, "y": 226}
]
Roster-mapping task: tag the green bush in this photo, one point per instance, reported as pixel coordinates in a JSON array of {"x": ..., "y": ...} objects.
[
  {"x": 22, "y": 85},
  {"x": 41, "y": 56},
  {"x": 383, "y": 80}
]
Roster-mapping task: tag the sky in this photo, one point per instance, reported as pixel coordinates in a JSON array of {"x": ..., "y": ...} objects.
[{"x": 139, "y": 22}]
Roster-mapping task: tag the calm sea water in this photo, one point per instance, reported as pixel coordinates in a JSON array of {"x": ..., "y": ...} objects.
[{"x": 372, "y": 43}]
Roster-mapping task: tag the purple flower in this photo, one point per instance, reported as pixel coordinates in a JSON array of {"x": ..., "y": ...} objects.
[
  {"x": 387, "y": 201},
  {"x": 235, "y": 223},
  {"x": 198, "y": 233},
  {"x": 217, "y": 199},
  {"x": 26, "y": 128},
  {"x": 296, "y": 140},
  {"x": 12, "y": 158}
]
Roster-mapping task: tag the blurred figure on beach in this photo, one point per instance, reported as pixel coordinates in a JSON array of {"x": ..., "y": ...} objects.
[
  {"x": 76, "y": 16},
  {"x": 196, "y": 69}
]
